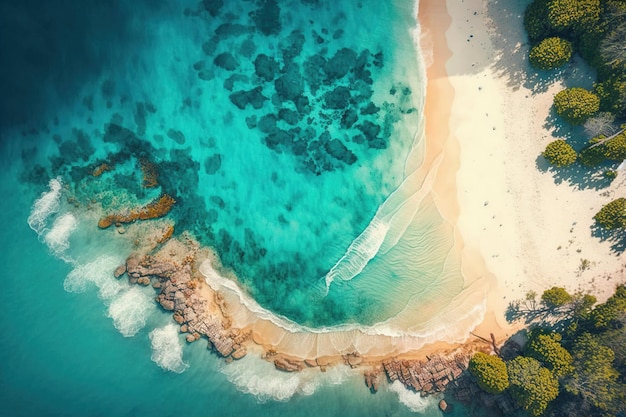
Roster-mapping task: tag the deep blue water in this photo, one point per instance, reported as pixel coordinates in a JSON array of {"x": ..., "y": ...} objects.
[{"x": 282, "y": 188}]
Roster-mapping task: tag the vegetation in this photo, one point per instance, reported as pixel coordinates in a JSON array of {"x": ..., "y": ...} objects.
[
  {"x": 577, "y": 365},
  {"x": 490, "y": 372},
  {"x": 555, "y": 297},
  {"x": 532, "y": 385},
  {"x": 550, "y": 53},
  {"x": 576, "y": 105},
  {"x": 573, "y": 14},
  {"x": 560, "y": 153},
  {"x": 547, "y": 349},
  {"x": 612, "y": 215}
]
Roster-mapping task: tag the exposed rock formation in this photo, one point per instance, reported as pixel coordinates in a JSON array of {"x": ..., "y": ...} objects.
[
  {"x": 155, "y": 209},
  {"x": 427, "y": 377}
]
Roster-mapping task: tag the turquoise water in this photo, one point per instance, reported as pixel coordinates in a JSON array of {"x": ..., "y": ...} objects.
[{"x": 288, "y": 132}]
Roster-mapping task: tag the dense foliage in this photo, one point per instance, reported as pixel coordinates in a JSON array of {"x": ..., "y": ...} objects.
[
  {"x": 560, "y": 153},
  {"x": 580, "y": 346},
  {"x": 550, "y": 53},
  {"x": 612, "y": 215},
  {"x": 576, "y": 105},
  {"x": 573, "y": 14},
  {"x": 547, "y": 349},
  {"x": 490, "y": 372},
  {"x": 555, "y": 297},
  {"x": 532, "y": 385}
]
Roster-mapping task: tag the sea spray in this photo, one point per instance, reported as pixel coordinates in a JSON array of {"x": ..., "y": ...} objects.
[
  {"x": 98, "y": 273},
  {"x": 57, "y": 238},
  {"x": 258, "y": 377},
  {"x": 130, "y": 311},
  {"x": 413, "y": 400},
  {"x": 167, "y": 349},
  {"x": 45, "y": 206}
]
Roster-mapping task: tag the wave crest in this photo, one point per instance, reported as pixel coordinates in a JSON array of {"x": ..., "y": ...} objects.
[
  {"x": 45, "y": 206},
  {"x": 130, "y": 311},
  {"x": 167, "y": 350}
]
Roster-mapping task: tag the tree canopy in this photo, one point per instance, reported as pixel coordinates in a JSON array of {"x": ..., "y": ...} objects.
[
  {"x": 573, "y": 14},
  {"x": 555, "y": 297},
  {"x": 560, "y": 153},
  {"x": 490, "y": 372},
  {"x": 576, "y": 105},
  {"x": 531, "y": 385},
  {"x": 550, "y": 53},
  {"x": 547, "y": 349},
  {"x": 612, "y": 215},
  {"x": 594, "y": 377}
]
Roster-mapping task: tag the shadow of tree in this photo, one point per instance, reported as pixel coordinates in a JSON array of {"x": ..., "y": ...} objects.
[
  {"x": 617, "y": 238},
  {"x": 511, "y": 47}
]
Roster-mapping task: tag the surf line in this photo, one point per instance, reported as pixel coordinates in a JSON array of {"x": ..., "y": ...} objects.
[{"x": 365, "y": 247}]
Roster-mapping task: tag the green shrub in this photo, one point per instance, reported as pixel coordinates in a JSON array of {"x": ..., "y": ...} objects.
[
  {"x": 575, "y": 105},
  {"x": 556, "y": 297},
  {"x": 531, "y": 385},
  {"x": 573, "y": 14},
  {"x": 612, "y": 215},
  {"x": 550, "y": 53},
  {"x": 547, "y": 349},
  {"x": 490, "y": 371},
  {"x": 559, "y": 153},
  {"x": 536, "y": 21}
]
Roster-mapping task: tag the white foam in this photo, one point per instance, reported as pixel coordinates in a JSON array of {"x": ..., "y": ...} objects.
[
  {"x": 360, "y": 252},
  {"x": 130, "y": 311},
  {"x": 167, "y": 350},
  {"x": 45, "y": 206},
  {"x": 258, "y": 377},
  {"x": 413, "y": 400},
  {"x": 57, "y": 238},
  {"x": 98, "y": 273}
]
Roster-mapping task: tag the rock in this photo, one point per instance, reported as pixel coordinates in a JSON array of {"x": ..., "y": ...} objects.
[
  {"x": 445, "y": 407},
  {"x": 213, "y": 163},
  {"x": 310, "y": 363},
  {"x": 253, "y": 97},
  {"x": 121, "y": 230},
  {"x": 288, "y": 365},
  {"x": 337, "y": 99},
  {"x": 291, "y": 85},
  {"x": 340, "y": 64},
  {"x": 354, "y": 360},
  {"x": 190, "y": 338},
  {"x": 239, "y": 353},
  {"x": 265, "y": 67},
  {"x": 177, "y": 136},
  {"x": 267, "y": 18},
  {"x": 338, "y": 150},
  {"x": 226, "y": 61},
  {"x": 119, "y": 271}
]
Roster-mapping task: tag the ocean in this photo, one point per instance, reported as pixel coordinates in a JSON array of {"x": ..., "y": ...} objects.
[{"x": 290, "y": 134}]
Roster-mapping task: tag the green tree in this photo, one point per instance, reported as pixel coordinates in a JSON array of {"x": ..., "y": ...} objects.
[
  {"x": 612, "y": 215},
  {"x": 490, "y": 372},
  {"x": 550, "y": 53},
  {"x": 604, "y": 314},
  {"x": 547, "y": 349},
  {"x": 536, "y": 21},
  {"x": 612, "y": 93},
  {"x": 573, "y": 14},
  {"x": 531, "y": 385},
  {"x": 559, "y": 153},
  {"x": 576, "y": 105},
  {"x": 556, "y": 297},
  {"x": 594, "y": 377}
]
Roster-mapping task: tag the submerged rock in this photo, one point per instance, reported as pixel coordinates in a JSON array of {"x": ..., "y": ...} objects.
[
  {"x": 226, "y": 61},
  {"x": 253, "y": 97},
  {"x": 265, "y": 67},
  {"x": 267, "y": 18}
]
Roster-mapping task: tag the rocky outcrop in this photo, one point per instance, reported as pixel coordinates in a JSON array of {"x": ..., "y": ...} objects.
[
  {"x": 430, "y": 376},
  {"x": 288, "y": 365},
  {"x": 155, "y": 209},
  {"x": 191, "y": 310},
  {"x": 371, "y": 380}
]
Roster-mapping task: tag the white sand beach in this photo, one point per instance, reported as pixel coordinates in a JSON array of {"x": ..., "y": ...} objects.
[{"x": 529, "y": 229}]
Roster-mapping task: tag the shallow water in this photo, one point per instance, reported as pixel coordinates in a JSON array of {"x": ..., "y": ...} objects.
[{"x": 316, "y": 208}]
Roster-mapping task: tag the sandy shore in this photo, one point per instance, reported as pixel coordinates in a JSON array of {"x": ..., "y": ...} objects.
[{"x": 527, "y": 228}]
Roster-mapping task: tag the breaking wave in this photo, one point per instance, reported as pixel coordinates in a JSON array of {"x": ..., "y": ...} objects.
[
  {"x": 45, "y": 206},
  {"x": 130, "y": 311},
  {"x": 167, "y": 350}
]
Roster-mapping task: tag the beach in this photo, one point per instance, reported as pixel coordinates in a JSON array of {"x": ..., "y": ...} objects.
[{"x": 301, "y": 199}]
